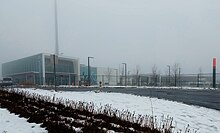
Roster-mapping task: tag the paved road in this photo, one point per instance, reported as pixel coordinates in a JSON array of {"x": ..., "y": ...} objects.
[{"x": 204, "y": 98}]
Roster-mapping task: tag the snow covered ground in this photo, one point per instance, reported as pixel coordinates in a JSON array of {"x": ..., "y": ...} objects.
[
  {"x": 11, "y": 123},
  {"x": 200, "y": 119}
]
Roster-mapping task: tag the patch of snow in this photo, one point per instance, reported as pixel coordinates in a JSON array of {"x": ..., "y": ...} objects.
[
  {"x": 10, "y": 123},
  {"x": 78, "y": 130},
  {"x": 110, "y": 131},
  {"x": 200, "y": 119}
]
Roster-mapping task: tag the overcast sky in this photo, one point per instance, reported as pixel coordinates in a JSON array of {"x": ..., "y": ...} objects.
[{"x": 138, "y": 32}]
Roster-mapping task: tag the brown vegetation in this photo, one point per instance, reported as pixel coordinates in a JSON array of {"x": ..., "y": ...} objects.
[{"x": 65, "y": 116}]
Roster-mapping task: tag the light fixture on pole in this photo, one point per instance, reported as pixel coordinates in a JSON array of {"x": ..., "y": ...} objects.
[
  {"x": 169, "y": 73},
  {"x": 56, "y": 29},
  {"x": 116, "y": 76},
  {"x": 125, "y": 73},
  {"x": 89, "y": 80}
]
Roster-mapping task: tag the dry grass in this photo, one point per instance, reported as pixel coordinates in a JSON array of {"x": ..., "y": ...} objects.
[{"x": 59, "y": 115}]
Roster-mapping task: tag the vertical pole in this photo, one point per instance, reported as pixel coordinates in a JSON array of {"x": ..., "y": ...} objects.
[
  {"x": 61, "y": 80},
  {"x": 179, "y": 77},
  {"x": 125, "y": 70},
  {"x": 88, "y": 73},
  {"x": 214, "y": 73},
  {"x": 54, "y": 70},
  {"x": 34, "y": 78},
  {"x": 169, "y": 75},
  {"x": 116, "y": 76},
  {"x": 56, "y": 28},
  {"x": 125, "y": 74},
  {"x": 56, "y": 42},
  {"x": 39, "y": 82},
  {"x": 175, "y": 78},
  {"x": 119, "y": 75},
  {"x": 103, "y": 80},
  {"x": 69, "y": 80},
  {"x": 116, "y": 70}
]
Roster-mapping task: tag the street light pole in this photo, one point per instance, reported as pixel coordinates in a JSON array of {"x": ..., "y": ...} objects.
[
  {"x": 179, "y": 77},
  {"x": 116, "y": 76},
  {"x": 56, "y": 42},
  {"x": 169, "y": 73},
  {"x": 89, "y": 82},
  {"x": 56, "y": 29},
  {"x": 54, "y": 71},
  {"x": 116, "y": 70},
  {"x": 125, "y": 73}
]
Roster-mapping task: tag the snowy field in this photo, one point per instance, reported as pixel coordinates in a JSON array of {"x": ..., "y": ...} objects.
[
  {"x": 11, "y": 123},
  {"x": 200, "y": 119}
]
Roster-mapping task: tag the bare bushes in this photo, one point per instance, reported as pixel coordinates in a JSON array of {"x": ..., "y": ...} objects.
[{"x": 59, "y": 115}]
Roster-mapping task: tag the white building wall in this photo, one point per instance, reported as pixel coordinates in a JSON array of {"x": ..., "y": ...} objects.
[
  {"x": 76, "y": 65},
  {"x": 43, "y": 68},
  {"x": 108, "y": 76}
]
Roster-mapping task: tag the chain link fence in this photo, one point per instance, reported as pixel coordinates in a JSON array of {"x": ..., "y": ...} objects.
[{"x": 179, "y": 80}]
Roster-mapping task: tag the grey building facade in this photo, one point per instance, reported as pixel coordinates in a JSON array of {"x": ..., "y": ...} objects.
[{"x": 39, "y": 69}]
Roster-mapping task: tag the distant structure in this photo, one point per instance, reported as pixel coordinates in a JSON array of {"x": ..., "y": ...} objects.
[
  {"x": 38, "y": 69},
  {"x": 108, "y": 76}
]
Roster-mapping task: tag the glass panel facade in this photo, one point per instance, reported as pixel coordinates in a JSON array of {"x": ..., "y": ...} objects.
[
  {"x": 65, "y": 73},
  {"x": 84, "y": 74},
  {"x": 61, "y": 79},
  {"x": 64, "y": 66},
  {"x": 26, "y": 70},
  {"x": 38, "y": 69}
]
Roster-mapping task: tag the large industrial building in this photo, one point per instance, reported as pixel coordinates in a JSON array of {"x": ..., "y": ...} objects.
[{"x": 39, "y": 69}]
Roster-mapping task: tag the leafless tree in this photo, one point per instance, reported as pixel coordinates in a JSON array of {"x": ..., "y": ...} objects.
[
  {"x": 122, "y": 74},
  {"x": 167, "y": 79},
  {"x": 175, "y": 72},
  {"x": 199, "y": 77},
  {"x": 137, "y": 75},
  {"x": 109, "y": 74},
  {"x": 154, "y": 75}
]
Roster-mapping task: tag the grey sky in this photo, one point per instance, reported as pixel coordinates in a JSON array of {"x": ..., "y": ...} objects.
[{"x": 138, "y": 32}]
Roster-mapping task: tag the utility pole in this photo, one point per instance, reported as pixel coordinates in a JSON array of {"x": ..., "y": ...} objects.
[
  {"x": 169, "y": 73},
  {"x": 125, "y": 73},
  {"x": 116, "y": 76},
  {"x": 179, "y": 77},
  {"x": 214, "y": 73},
  {"x": 56, "y": 29},
  {"x": 198, "y": 80},
  {"x": 54, "y": 71},
  {"x": 56, "y": 42},
  {"x": 89, "y": 82}
]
